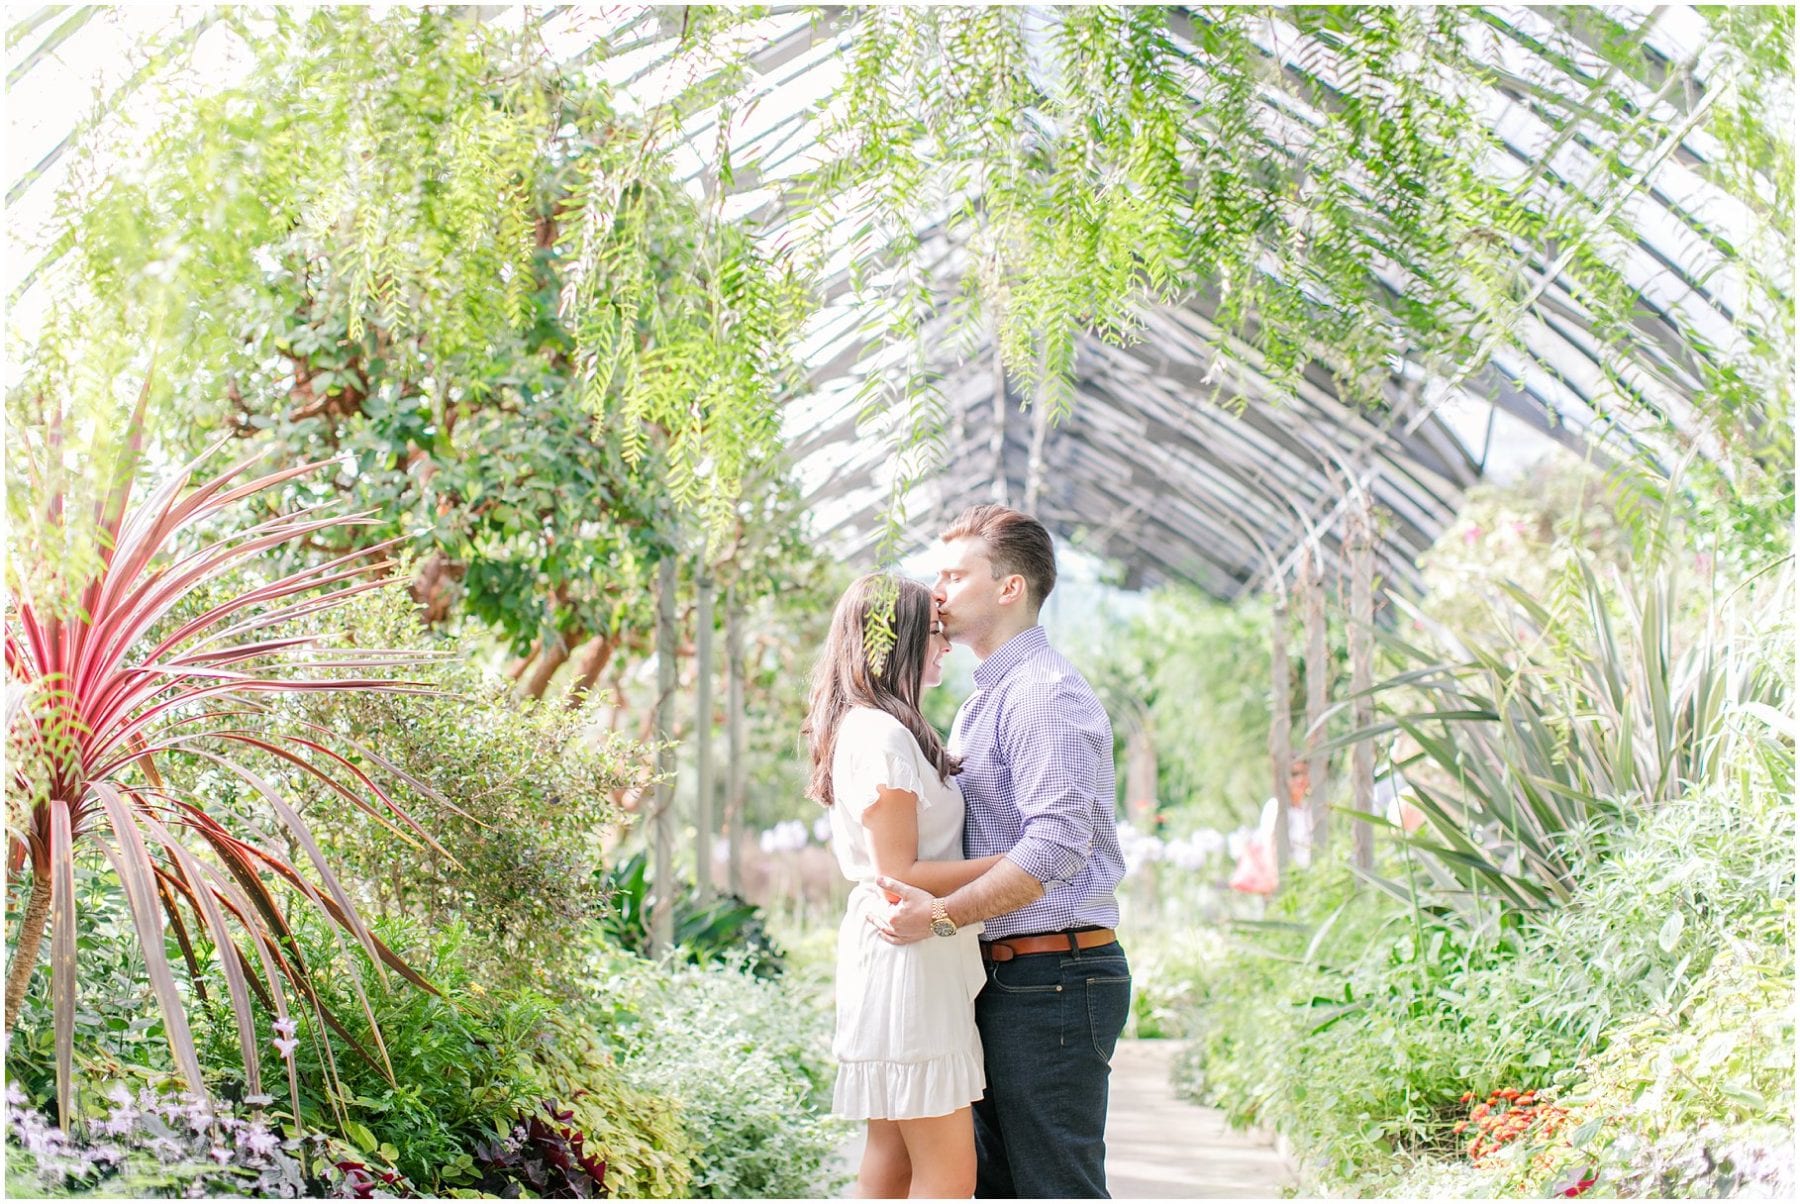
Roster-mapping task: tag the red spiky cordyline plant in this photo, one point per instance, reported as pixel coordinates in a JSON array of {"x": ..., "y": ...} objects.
[{"x": 92, "y": 702}]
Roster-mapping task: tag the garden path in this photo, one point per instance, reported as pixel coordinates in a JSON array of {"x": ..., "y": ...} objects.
[{"x": 1160, "y": 1147}]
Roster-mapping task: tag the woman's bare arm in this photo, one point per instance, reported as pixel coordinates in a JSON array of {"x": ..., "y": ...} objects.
[{"x": 892, "y": 821}]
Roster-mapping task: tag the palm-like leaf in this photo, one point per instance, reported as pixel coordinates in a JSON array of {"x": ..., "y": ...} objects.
[
  {"x": 89, "y": 708},
  {"x": 1534, "y": 748}
]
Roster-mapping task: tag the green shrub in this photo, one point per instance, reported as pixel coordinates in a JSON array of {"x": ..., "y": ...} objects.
[
  {"x": 470, "y": 1063},
  {"x": 704, "y": 931},
  {"x": 1354, "y": 1022},
  {"x": 460, "y": 1056},
  {"x": 1693, "y": 1101},
  {"x": 747, "y": 1064},
  {"x": 1346, "y": 1021},
  {"x": 516, "y": 792},
  {"x": 1539, "y": 745},
  {"x": 639, "y": 1133},
  {"x": 118, "y": 1031}
]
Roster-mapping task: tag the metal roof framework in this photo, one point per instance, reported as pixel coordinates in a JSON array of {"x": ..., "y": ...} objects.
[{"x": 1180, "y": 460}]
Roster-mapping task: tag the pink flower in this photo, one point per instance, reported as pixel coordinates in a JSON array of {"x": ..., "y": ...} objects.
[
  {"x": 1471, "y": 533},
  {"x": 287, "y": 1026},
  {"x": 287, "y": 1046}
]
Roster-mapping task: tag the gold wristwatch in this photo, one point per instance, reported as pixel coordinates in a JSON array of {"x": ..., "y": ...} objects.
[{"x": 941, "y": 923}]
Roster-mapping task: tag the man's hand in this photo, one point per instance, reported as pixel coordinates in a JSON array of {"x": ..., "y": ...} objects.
[{"x": 906, "y": 921}]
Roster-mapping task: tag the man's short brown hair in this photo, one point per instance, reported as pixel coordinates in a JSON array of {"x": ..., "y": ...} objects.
[{"x": 1016, "y": 543}]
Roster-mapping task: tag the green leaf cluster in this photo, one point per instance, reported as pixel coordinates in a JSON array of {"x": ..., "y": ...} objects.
[
  {"x": 1329, "y": 181},
  {"x": 417, "y": 244}
]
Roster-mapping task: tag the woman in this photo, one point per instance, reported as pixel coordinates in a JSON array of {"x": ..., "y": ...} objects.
[{"x": 909, "y": 1057}]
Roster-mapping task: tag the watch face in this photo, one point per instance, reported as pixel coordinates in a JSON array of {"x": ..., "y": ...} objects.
[{"x": 943, "y": 927}]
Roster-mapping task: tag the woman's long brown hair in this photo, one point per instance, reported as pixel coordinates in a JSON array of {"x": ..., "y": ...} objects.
[{"x": 843, "y": 680}]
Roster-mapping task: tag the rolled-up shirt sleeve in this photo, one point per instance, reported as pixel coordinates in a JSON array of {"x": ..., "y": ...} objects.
[{"x": 1055, "y": 742}]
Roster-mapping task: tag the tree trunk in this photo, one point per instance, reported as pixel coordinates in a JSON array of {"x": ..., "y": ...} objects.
[
  {"x": 515, "y": 669},
  {"x": 538, "y": 679},
  {"x": 590, "y": 662},
  {"x": 1281, "y": 720},
  {"x": 662, "y": 824},
  {"x": 703, "y": 725},
  {"x": 618, "y": 692},
  {"x": 24, "y": 952},
  {"x": 734, "y": 719},
  {"x": 1362, "y": 672},
  {"x": 432, "y": 580},
  {"x": 1318, "y": 689}
]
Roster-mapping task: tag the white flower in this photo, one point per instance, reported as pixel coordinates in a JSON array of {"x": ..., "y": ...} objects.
[
  {"x": 788, "y": 836},
  {"x": 287, "y": 1026},
  {"x": 287, "y": 1046},
  {"x": 259, "y": 1141},
  {"x": 1234, "y": 843}
]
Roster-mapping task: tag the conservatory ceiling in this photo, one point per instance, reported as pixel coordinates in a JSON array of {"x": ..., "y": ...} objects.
[{"x": 1177, "y": 462}]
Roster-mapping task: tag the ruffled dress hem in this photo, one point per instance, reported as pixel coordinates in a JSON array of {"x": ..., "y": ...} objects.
[{"x": 884, "y": 1090}]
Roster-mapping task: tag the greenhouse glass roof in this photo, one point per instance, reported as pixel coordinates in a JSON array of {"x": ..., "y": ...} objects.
[{"x": 1180, "y": 459}]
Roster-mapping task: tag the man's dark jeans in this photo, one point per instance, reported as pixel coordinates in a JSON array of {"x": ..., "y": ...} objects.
[{"x": 1048, "y": 1023}]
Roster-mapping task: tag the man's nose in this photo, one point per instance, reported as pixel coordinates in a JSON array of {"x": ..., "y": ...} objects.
[{"x": 937, "y": 594}]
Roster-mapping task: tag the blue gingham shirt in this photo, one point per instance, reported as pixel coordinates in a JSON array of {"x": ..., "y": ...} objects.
[{"x": 1037, "y": 754}]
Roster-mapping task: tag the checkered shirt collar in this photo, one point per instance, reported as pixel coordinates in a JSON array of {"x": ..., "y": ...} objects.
[{"x": 1010, "y": 655}]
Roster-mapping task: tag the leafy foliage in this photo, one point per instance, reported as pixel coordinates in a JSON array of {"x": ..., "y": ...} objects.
[
  {"x": 452, "y": 1051},
  {"x": 749, "y": 1070},
  {"x": 544, "y": 1154},
  {"x": 163, "y": 1145},
  {"x": 105, "y": 676},
  {"x": 723, "y": 928},
  {"x": 420, "y": 244},
  {"x": 1542, "y": 744},
  {"x": 519, "y": 795},
  {"x": 1354, "y": 1022},
  {"x": 1198, "y": 669},
  {"x": 642, "y": 1135},
  {"x": 1324, "y": 176}
]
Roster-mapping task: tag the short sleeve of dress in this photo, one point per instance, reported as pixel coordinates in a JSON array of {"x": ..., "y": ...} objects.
[{"x": 874, "y": 751}]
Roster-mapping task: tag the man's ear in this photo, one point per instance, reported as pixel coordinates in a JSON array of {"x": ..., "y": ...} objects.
[{"x": 1013, "y": 590}]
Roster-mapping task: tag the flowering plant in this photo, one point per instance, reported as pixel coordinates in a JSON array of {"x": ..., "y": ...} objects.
[
  {"x": 1506, "y": 1115},
  {"x": 155, "y": 1144}
]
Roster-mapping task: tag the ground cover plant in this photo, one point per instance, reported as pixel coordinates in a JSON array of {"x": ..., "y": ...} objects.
[
  {"x": 1358, "y": 1028},
  {"x": 153, "y": 1144},
  {"x": 747, "y": 1063}
]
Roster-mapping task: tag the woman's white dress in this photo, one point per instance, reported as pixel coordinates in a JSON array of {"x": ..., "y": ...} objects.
[{"x": 906, "y": 1041}]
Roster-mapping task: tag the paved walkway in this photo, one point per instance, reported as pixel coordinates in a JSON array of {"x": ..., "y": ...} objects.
[{"x": 1159, "y": 1147}]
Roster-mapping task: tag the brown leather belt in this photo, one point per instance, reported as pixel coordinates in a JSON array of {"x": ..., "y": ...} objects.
[{"x": 1052, "y": 942}]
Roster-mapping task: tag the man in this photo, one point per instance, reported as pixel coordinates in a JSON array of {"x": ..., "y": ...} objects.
[{"x": 1037, "y": 755}]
